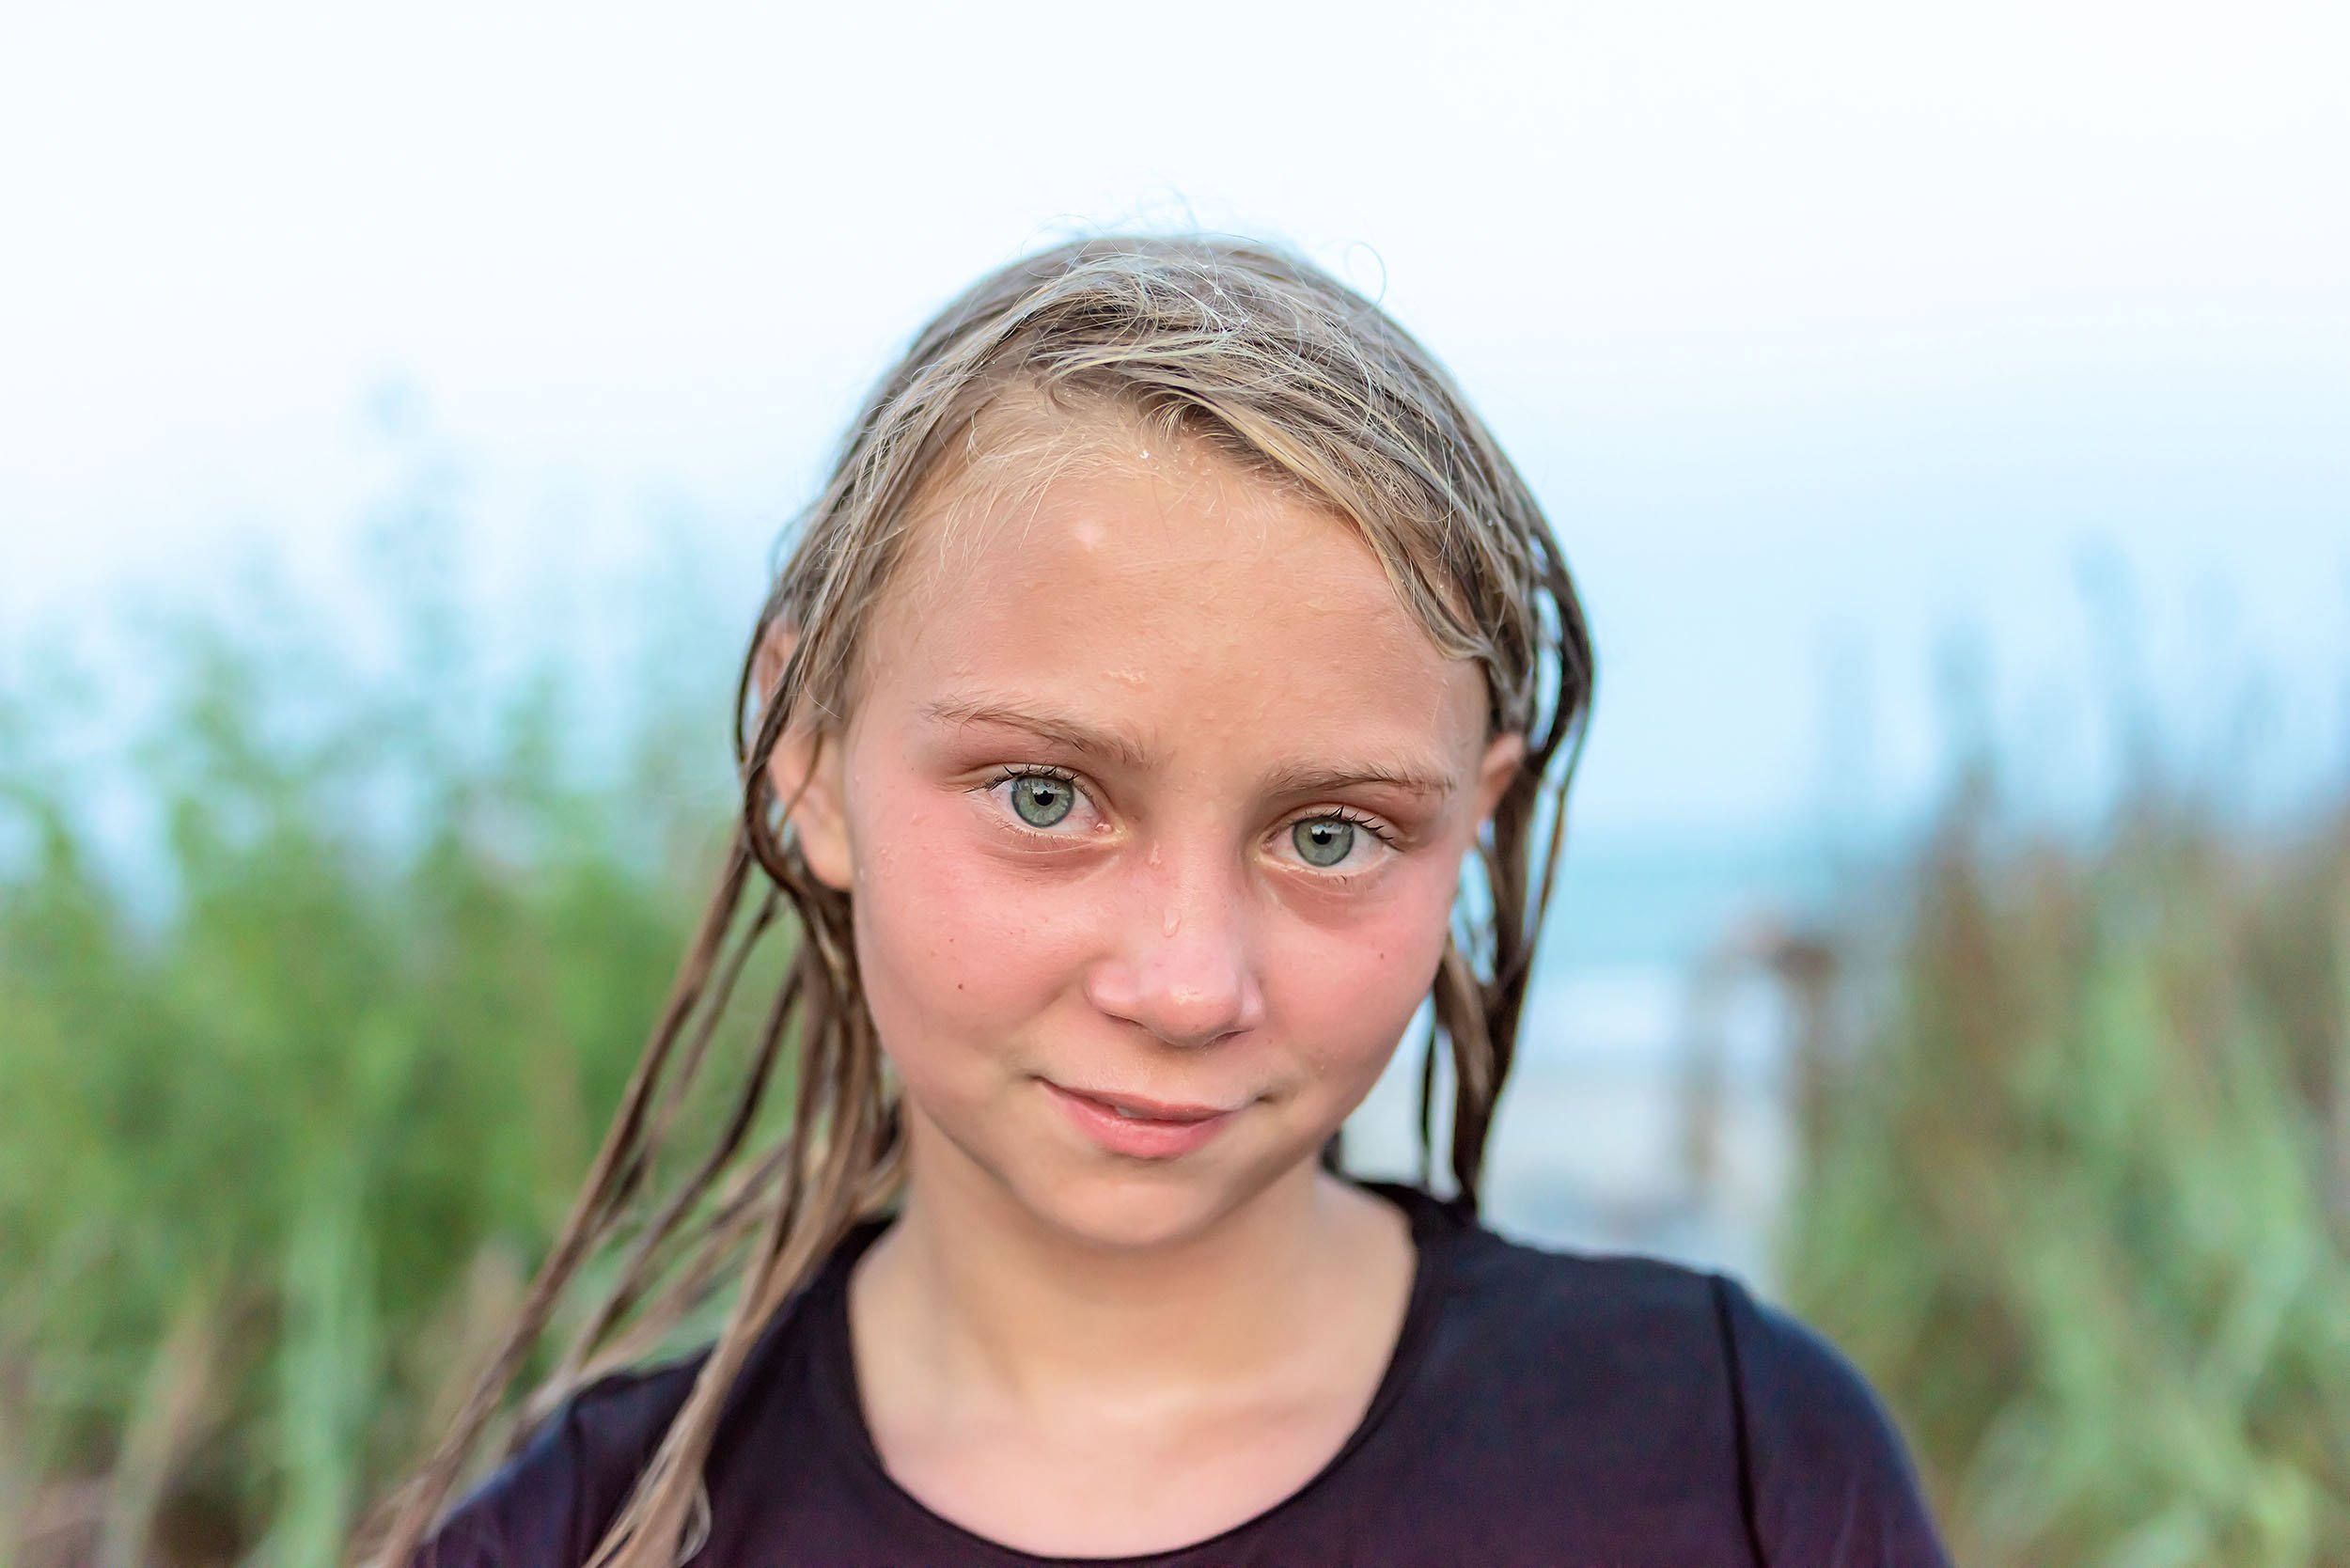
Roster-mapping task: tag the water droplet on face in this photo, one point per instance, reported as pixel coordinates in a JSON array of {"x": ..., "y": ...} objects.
[{"x": 1174, "y": 920}]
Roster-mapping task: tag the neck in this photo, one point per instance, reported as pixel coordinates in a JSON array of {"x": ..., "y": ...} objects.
[{"x": 975, "y": 1285}]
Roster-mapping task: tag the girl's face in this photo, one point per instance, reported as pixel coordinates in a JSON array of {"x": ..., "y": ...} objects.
[{"x": 1152, "y": 809}]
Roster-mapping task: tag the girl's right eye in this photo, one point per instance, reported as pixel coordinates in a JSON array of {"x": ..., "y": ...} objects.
[{"x": 1039, "y": 799}]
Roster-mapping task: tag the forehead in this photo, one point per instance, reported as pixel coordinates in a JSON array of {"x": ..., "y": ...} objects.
[{"x": 1167, "y": 586}]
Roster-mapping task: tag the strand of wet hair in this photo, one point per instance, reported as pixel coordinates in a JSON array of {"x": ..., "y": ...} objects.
[
  {"x": 679, "y": 1080},
  {"x": 414, "y": 1511},
  {"x": 651, "y": 1254},
  {"x": 837, "y": 1116}
]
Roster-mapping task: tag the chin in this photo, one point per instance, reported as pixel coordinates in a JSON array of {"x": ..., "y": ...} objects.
[{"x": 1133, "y": 1210}]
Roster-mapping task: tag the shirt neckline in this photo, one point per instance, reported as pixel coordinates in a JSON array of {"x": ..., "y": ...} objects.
[{"x": 1434, "y": 1223}]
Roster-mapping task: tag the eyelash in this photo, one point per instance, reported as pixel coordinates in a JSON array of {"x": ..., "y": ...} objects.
[
  {"x": 1372, "y": 825},
  {"x": 1035, "y": 770},
  {"x": 1032, "y": 770},
  {"x": 1347, "y": 814}
]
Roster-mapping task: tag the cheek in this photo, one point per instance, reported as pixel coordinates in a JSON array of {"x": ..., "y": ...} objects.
[
  {"x": 1347, "y": 991},
  {"x": 949, "y": 951}
]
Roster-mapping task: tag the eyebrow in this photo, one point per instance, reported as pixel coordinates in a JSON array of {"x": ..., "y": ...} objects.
[
  {"x": 1061, "y": 729},
  {"x": 1427, "y": 783},
  {"x": 1432, "y": 783}
]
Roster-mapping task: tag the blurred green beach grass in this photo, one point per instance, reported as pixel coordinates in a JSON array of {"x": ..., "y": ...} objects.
[
  {"x": 290, "y": 1106},
  {"x": 2076, "y": 1186}
]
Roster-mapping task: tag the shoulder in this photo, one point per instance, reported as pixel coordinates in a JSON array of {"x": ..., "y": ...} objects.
[
  {"x": 547, "y": 1506},
  {"x": 1831, "y": 1480},
  {"x": 1611, "y": 1364},
  {"x": 1603, "y": 1314},
  {"x": 1678, "y": 1382}
]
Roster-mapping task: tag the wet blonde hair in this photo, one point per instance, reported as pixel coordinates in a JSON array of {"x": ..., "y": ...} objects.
[{"x": 1277, "y": 368}]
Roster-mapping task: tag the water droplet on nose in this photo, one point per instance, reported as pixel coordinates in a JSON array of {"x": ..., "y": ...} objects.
[
  {"x": 1174, "y": 919},
  {"x": 1155, "y": 855}
]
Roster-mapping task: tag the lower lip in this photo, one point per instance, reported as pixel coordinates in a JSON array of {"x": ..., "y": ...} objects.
[{"x": 1134, "y": 1136}]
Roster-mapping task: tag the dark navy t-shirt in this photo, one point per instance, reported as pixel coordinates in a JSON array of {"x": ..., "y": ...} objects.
[{"x": 1586, "y": 1411}]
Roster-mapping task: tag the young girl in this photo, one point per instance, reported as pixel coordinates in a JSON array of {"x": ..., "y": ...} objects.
[{"x": 1168, "y": 641}]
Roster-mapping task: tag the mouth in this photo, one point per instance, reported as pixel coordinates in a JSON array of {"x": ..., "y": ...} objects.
[{"x": 1137, "y": 1126}]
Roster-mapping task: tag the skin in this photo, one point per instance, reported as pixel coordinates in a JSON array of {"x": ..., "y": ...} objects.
[{"x": 1073, "y": 1351}]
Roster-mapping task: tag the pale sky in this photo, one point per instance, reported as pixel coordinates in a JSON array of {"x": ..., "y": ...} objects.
[{"x": 1818, "y": 327}]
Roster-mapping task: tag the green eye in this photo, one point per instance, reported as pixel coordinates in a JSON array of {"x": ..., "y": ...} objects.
[
  {"x": 1041, "y": 799},
  {"x": 1323, "y": 841}
]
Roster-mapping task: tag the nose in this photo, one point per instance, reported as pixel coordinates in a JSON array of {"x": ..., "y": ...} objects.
[{"x": 1183, "y": 965}]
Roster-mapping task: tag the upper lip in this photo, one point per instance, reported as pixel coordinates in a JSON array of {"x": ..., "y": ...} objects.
[{"x": 1142, "y": 1105}]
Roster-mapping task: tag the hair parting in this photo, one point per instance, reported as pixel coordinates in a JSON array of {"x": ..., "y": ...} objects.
[{"x": 1252, "y": 355}]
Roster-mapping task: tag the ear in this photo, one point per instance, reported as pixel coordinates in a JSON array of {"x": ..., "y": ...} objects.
[
  {"x": 806, "y": 770},
  {"x": 1504, "y": 753}
]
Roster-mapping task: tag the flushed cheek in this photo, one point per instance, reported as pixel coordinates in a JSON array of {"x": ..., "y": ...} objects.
[
  {"x": 953, "y": 958},
  {"x": 1347, "y": 993}
]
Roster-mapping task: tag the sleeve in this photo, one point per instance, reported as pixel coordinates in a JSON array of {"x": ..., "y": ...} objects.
[
  {"x": 524, "y": 1515},
  {"x": 1828, "y": 1482}
]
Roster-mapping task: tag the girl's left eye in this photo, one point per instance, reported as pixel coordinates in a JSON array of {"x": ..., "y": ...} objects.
[
  {"x": 1040, "y": 802},
  {"x": 1335, "y": 841}
]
